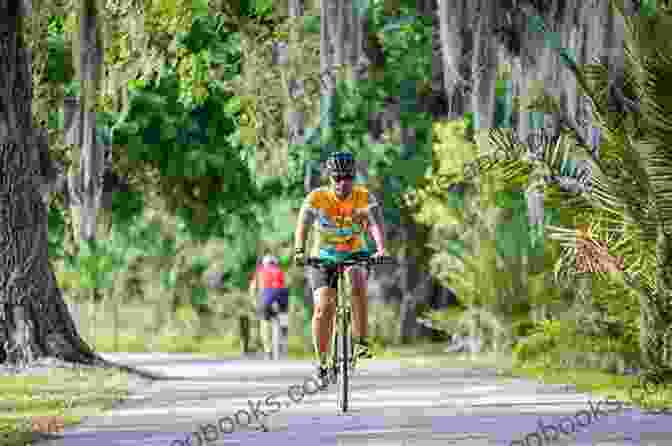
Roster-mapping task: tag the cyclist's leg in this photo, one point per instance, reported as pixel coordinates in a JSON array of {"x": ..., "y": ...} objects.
[
  {"x": 358, "y": 280},
  {"x": 323, "y": 321},
  {"x": 282, "y": 297},
  {"x": 323, "y": 315},
  {"x": 246, "y": 321},
  {"x": 244, "y": 325},
  {"x": 264, "y": 317},
  {"x": 266, "y": 329},
  {"x": 308, "y": 305},
  {"x": 360, "y": 310}
]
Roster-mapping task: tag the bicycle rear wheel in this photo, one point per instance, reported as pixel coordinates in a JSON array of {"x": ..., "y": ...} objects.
[{"x": 275, "y": 338}]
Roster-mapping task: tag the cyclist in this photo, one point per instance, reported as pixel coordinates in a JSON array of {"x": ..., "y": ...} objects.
[
  {"x": 273, "y": 289},
  {"x": 340, "y": 213}
]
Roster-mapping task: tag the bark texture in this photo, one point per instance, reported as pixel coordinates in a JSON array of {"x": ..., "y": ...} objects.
[
  {"x": 587, "y": 29},
  {"x": 34, "y": 320}
]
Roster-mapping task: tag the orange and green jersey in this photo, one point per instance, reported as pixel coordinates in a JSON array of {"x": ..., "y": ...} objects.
[{"x": 337, "y": 233}]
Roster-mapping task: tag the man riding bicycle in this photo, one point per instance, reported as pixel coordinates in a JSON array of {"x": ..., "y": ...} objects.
[
  {"x": 270, "y": 279},
  {"x": 341, "y": 214}
]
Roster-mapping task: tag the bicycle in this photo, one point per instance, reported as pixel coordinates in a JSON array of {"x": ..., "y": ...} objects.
[{"x": 342, "y": 364}]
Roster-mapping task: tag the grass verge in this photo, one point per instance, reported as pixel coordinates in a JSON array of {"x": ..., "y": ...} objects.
[
  {"x": 67, "y": 394},
  {"x": 598, "y": 383}
]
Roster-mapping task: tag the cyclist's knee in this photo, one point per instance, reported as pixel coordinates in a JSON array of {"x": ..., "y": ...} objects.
[
  {"x": 324, "y": 302},
  {"x": 323, "y": 296}
]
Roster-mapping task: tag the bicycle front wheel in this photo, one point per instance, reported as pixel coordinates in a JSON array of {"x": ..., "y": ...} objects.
[{"x": 344, "y": 365}]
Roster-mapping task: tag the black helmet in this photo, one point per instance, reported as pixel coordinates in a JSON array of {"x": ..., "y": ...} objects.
[{"x": 341, "y": 163}]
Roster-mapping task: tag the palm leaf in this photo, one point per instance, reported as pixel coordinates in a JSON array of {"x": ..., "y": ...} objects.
[{"x": 656, "y": 148}]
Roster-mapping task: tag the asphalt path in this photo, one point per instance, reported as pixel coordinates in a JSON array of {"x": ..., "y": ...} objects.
[{"x": 392, "y": 404}]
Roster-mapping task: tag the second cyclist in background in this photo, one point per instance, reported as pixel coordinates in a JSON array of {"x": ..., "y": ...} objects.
[{"x": 269, "y": 280}]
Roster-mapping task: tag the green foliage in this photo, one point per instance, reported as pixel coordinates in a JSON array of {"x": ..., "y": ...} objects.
[
  {"x": 194, "y": 150},
  {"x": 565, "y": 341},
  {"x": 522, "y": 328},
  {"x": 256, "y": 8},
  {"x": 73, "y": 88},
  {"x": 311, "y": 24},
  {"x": 126, "y": 206},
  {"x": 199, "y": 295},
  {"x": 208, "y": 44},
  {"x": 533, "y": 346},
  {"x": 94, "y": 265},
  {"x": 209, "y": 33},
  {"x": 57, "y": 63},
  {"x": 56, "y": 231},
  {"x": 616, "y": 313},
  {"x": 345, "y": 117},
  {"x": 629, "y": 193},
  {"x": 480, "y": 234},
  {"x": 55, "y": 25},
  {"x": 648, "y": 8},
  {"x": 442, "y": 197}
]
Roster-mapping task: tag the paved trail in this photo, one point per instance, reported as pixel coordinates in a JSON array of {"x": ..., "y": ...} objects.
[{"x": 392, "y": 405}]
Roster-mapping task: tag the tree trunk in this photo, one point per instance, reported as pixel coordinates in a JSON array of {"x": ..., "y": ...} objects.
[
  {"x": 327, "y": 79},
  {"x": 87, "y": 173},
  {"x": 295, "y": 87},
  {"x": 450, "y": 22},
  {"x": 484, "y": 67},
  {"x": 296, "y": 131},
  {"x": 34, "y": 320}
]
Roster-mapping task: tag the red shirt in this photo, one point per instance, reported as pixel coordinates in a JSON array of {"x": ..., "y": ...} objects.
[{"x": 271, "y": 276}]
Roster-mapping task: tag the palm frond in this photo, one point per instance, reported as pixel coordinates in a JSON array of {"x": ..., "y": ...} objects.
[{"x": 657, "y": 148}]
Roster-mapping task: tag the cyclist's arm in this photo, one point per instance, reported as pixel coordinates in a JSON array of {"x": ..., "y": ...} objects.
[
  {"x": 376, "y": 223},
  {"x": 307, "y": 216},
  {"x": 253, "y": 283}
]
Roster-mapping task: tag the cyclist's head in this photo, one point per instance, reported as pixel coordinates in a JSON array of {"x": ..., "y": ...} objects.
[
  {"x": 269, "y": 260},
  {"x": 341, "y": 171}
]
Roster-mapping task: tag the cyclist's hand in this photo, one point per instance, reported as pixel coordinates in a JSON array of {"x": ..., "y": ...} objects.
[{"x": 299, "y": 258}]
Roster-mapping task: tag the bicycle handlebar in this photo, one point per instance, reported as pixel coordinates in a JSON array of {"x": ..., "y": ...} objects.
[{"x": 355, "y": 260}]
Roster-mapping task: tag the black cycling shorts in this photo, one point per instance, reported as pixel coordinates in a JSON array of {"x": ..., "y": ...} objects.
[
  {"x": 322, "y": 277},
  {"x": 266, "y": 299},
  {"x": 325, "y": 277}
]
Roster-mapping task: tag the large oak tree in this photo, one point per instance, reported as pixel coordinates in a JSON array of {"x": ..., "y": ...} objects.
[{"x": 34, "y": 319}]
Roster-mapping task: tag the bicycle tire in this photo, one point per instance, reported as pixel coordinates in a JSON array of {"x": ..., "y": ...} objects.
[
  {"x": 275, "y": 339},
  {"x": 344, "y": 366},
  {"x": 333, "y": 370}
]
